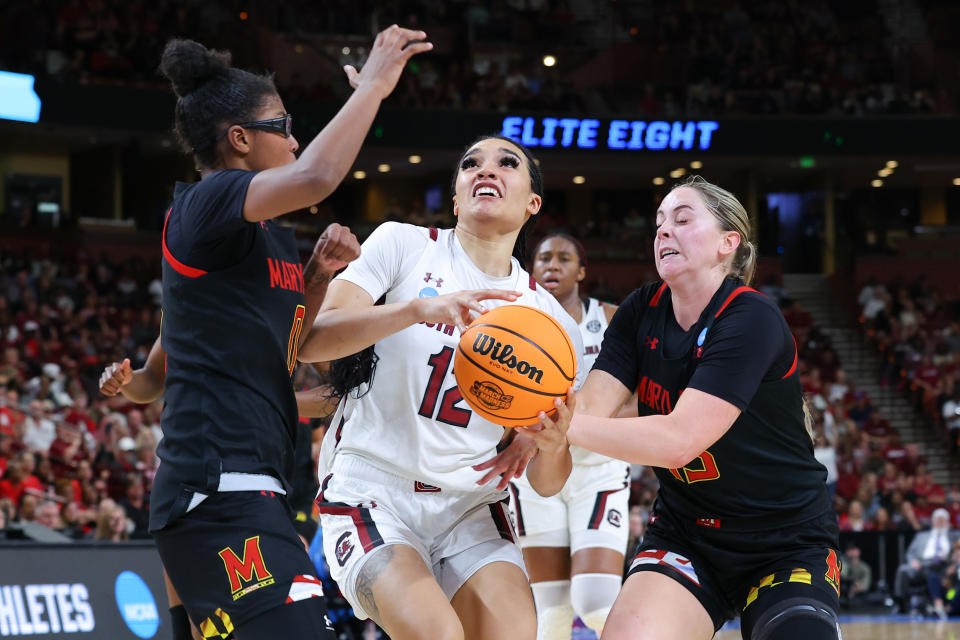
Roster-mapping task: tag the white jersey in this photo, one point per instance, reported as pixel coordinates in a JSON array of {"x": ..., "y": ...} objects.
[
  {"x": 412, "y": 420},
  {"x": 593, "y": 323}
]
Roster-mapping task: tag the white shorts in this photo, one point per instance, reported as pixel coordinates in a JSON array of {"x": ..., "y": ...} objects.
[
  {"x": 590, "y": 511},
  {"x": 363, "y": 509}
]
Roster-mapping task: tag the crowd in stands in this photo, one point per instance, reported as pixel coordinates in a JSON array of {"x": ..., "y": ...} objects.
[
  {"x": 916, "y": 328},
  {"x": 651, "y": 60},
  {"x": 71, "y": 459}
]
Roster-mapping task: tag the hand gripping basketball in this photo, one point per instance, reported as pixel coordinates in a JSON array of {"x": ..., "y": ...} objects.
[
  {"x": 550, "y": 433},
  {"x": 512, "y": 363},
  {"x": 458, "y": 309}
]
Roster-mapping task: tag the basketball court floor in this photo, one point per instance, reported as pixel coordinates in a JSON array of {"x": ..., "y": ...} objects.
[{"x": 890, "y": 627}]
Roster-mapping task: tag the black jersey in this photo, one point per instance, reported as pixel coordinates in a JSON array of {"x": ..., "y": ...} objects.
[
  {"x": 740, "y": 350},
  {"x": 231, "y": 336}
]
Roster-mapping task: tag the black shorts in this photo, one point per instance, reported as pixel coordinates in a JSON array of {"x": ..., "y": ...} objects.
[
  {"x": 735, "y": 572},
  {"x": 236, "y": 556}
]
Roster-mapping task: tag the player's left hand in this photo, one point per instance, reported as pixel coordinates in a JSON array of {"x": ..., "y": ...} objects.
[
  {"x": 509, "y": 463},
  {"x": 336, "y": 247},
  {"x": 550, "y": 433}
]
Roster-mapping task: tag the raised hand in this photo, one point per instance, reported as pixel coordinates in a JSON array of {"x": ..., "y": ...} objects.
[
  {"x": 457, "y": 308},
  {"x": 335, "y": 248},
  {"x": 115, "y": 376},
  {"x": 389, "y": 55}
]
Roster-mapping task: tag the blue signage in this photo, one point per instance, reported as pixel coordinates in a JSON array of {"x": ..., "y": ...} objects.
[
  {"x": 20, "y": 101},
  {"x": 137, "y": 606},
  {"x": 590, "y": 133}
]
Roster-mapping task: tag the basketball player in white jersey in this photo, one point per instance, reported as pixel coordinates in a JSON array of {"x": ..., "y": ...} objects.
[
  {"x": 574, "y": 542},
  {"x": 412, "y": 539}
]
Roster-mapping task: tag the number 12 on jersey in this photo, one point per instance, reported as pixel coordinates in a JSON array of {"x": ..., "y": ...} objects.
[{"x": 448, "y": 411}]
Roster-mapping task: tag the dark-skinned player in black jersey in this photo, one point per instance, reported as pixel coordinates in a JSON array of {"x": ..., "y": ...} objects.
[
  {"x": 742, "y": 525},
  {"x": 145, "y": 385},
  {"x": 236, "y": 306}
]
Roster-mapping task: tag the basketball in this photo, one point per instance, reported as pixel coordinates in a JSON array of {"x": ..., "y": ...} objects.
[{"x": 512, "y": 362}]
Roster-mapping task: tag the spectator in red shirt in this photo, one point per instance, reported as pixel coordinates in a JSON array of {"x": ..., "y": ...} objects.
[
  {"x": 19, "y": 479},
  {"x": 882, "y": 521},
  {"x": 67, "y": 450},
  {"x": 887, "y": 483},
  {"x": 926, "y": 486},
  {"x": 927, "y": 375},
  {"x": 79, "y": 413},
  {"x": 853, "y": 519},
  {"x": 878, "y": 429},
  {"x": 895, "y": 453}
]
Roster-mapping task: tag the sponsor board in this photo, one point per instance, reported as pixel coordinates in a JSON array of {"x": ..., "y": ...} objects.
[{"x": 82, "y": 591}]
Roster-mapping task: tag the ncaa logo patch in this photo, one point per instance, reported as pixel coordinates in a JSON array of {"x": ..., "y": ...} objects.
[
  {"x": 614, "y": 517},
  {"x": 136, "y": 604},
  {"x": 428, "y": 292},
  {"x": 344, "y": 549},
  {"x": 593, "y": 326}
]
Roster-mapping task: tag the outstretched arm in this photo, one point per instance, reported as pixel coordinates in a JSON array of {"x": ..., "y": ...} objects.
[
  {"x": 667, "y": 441},
  {"x": 324, "y": 163},
  {"x": 349, "y": 322}
]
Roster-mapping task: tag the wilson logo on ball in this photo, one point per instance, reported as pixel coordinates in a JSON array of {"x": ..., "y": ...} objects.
[
  {"x": 490, "y": 395},
  {"x": 503, "y": 354},
  {"x": 512, "y": 362}
]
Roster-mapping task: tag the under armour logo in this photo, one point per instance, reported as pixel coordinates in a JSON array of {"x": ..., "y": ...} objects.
[
  {"x": 652, "y": 342},
  {"x": 429, "y": 279}
]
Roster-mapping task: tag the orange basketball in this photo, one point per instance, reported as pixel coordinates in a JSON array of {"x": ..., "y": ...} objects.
[{"x": 512, "y": 362}]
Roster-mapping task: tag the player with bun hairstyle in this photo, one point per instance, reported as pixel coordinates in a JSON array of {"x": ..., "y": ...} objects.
[
  {"x": 413, "y": 536},
  {"x": 574, "y": 542},
  {"x": 742, "y": 525},
  {"x": 236, "y": 307}
]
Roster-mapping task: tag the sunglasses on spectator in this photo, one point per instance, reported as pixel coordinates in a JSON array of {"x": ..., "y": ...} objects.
[{"x": 282, "y": 125}]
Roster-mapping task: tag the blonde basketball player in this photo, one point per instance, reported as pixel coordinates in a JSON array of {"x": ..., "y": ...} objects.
[
  {"x": 574, "y": 542},
  {"x": 413, "y": 538}
]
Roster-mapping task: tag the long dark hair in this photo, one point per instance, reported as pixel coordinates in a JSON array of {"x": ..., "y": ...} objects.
[
  {"x": 349, "y": 372},
  {"x": 210, "y": 95},
  {"x": 536, "y": 186}
]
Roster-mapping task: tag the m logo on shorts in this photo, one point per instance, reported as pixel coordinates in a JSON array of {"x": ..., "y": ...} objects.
[
  {"x": 344, "y": 549},
  {"x": 614, "y": 517},
  {"x": 249, "y": 569}
]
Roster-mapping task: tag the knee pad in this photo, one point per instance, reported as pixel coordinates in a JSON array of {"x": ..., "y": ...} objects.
[
  {"x": 554, "y": 613},
  {"x": 592, "y": 595},
  {"x": 797, "y": 619}
]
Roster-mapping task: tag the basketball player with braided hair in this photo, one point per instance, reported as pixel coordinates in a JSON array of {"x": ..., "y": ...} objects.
[
  {"x": 236, "y": 306},
  {"x": 574, "y": 542},
  {"x": 414, "y": 537},
  {"x": 742, "y": 525}
]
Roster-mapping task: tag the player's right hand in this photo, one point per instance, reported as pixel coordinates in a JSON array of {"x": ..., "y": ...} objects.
[
  {"x": 115, "y": 376},
  {"x": 389, "y": 55},
  {"x": 459, "y": 308}
]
